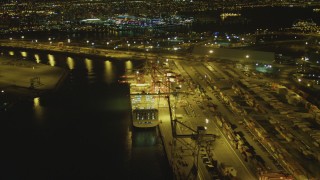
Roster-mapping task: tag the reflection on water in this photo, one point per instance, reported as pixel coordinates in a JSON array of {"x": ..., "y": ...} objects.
[
  {"x": 24, "y": 54},
  {"x": 144, "y": 137},
  {"x": 88, "y": 63},
  {"x": 128, "y": 67},
  {"x": 51, "y": 59},
  {"x": 38, "y": 110},
  {"x": 109, "y": 74},
  {"x": 70, "y": 63},
  {"x": 36, "y": 102},
  {"x": 37, "y": 58}
]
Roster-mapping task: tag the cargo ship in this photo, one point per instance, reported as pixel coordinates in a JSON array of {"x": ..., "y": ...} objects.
[{"x": 146, "y": 90}]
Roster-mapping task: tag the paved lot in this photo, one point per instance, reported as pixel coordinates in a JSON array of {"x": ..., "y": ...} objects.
[{"x": 16, "y": 77}]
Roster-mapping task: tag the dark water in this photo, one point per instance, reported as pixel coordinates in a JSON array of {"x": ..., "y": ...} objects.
[{"x": 82, "y": 131}]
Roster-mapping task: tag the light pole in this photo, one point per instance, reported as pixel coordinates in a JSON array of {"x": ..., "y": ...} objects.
[{"x": 49, "y": 39}]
